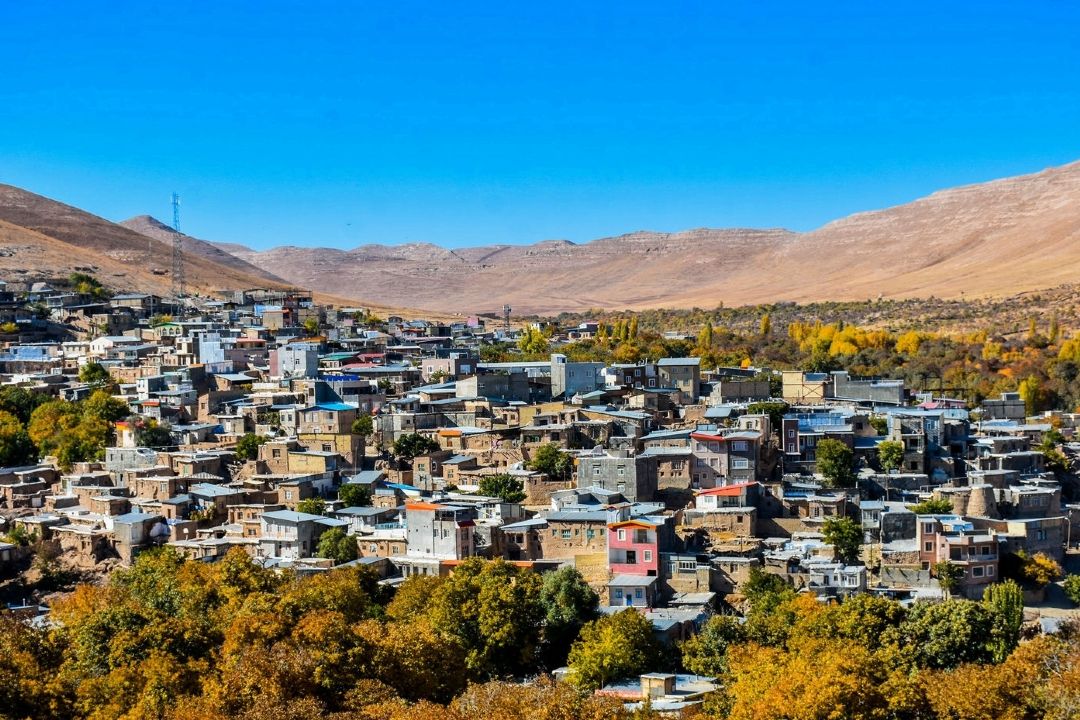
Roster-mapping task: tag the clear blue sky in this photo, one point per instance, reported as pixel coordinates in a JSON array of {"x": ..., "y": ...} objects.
[{"x": 340, "y": 123}]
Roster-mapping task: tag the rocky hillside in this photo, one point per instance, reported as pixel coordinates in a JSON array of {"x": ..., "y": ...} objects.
[{"x": 991, "y": 239}]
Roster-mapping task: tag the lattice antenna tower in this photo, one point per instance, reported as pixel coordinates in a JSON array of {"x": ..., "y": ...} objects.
[{"x": 178, "y": 280}]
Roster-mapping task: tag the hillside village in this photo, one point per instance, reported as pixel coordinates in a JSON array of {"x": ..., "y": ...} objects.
[{"x": 313, "y": 437}]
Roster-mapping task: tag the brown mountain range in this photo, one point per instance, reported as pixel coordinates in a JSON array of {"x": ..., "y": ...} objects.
[{"x": 994, "y": 238}]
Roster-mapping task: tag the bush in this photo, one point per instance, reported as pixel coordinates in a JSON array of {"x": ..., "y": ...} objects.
[{"x": 1072, "y": 588}]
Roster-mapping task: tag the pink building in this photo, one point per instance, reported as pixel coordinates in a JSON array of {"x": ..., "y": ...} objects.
[{"x": 634, "y": 546}]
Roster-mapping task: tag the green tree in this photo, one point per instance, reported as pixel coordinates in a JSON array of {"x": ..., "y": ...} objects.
[
  {"x": 1072, "y": 588},
  {"x": 706, "y": 652},
  {"x": 337, "y": 546},
  {"x": 104, "y": 406},
  {"x": 1006, "y": 601},
  {"x": 568, "y": 603},
  {"x": 311, "y": 326},
  {"x": 504, "y": 486},
  {"x": 311, "y": 506},
  {"x": 247, "y": 447},
  {"x": 21, "y": 402},
  {"x": 494, "y": 612},
  {"x": 94, "y": 374},
  {"x": 632, "y": 331},
  {"x": 552, "y": 461},
  {"x": 362, "y": 425},
  {"x": 411, "y": 445},
  {"x": 846, "y": 537},
  {"x": 932, "y": 506},
  {"x": 948, "y": 576},
  {"x": 611, "y": 648},
  {"x": 945, "y": 635},
  {"x": 835, "y": 463},
  {"x": 354, "y": 495},
  {"x": 152, "y": 434},
  {"x": 890, "y": 454}
]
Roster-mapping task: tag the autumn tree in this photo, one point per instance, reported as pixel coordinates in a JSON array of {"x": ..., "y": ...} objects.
[
  {"x": 16, "y": 448},
  {"x": 611, "y": 648},
  {"x": 94, "y": 374}
]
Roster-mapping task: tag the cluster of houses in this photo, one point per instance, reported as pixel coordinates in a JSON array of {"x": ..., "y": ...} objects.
[{"x": 677, "y": 481}]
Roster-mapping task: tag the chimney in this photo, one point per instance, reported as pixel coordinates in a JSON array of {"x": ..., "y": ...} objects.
[{"x": 654, "y": 685}]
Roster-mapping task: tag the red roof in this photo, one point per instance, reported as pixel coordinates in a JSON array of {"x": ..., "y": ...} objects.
[
  {"x": 422, "y": 506},
  {"x": 707, "y": 436}
]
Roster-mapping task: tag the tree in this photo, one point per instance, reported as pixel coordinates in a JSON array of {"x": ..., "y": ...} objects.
[
  {"x": 311, "y": 326},
  {"x": 552, "y": 461},
  {"x": 835, "y": 463},
  {"x": 533, "y": 341},
  {"x": 311, "y": 506},
  {"x": 94, "y": 374},
  {"x": 247, "y": 447},
  {"x": 411, "y": 445},
  {"x": 503, "y": 486},
  {"x": 1039, "y": 570},
  {"x": 932, "y": 506},
  {"x": 1072, "y": 588},
  {"x": 945, "y": 635},
  {"x": 890, "y": 454},
  {"x": 354, "y": 495},
  {"x": 845, "y": 535},
  {"x": 21, "y": 402},
  {"x": 493, "y": 611},
  {"x": 632, "y": 331},
  {"x": 611, "y": 648},
  {"x": 766, "y": 324},
  {"x": 1006, "y": 601},
  {"x": 362, "y": 425},
  {"x": 16, "y": 447},
  {"x": 337, "y": 546},
  {"x": 948, "y": 576},
  {"x": 706, "y": 652},
  {"x": 568, "y": 603},
  {"x": 152, "y": 434},
  {"x": 103, "y": 406}
]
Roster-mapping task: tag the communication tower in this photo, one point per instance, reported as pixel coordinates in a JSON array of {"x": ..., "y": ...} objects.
[{"x": 178, "y": 280}]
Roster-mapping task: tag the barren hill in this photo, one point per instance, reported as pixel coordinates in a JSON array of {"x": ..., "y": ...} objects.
[
  {"x": 43, "y": 238},
  {"x": 994, "y": 238}
]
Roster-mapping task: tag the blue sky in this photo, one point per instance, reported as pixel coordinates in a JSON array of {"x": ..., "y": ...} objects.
[{"x": 342, "y": 123}]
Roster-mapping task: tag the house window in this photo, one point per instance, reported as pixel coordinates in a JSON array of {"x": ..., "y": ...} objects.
[
  {"x": 990, "y": 570},
  {"x": 596, "y": 470},
  {"x": 977, "y": 571},
  {"x": 288, "y": 494},
  {"x": 276, "y": 453},
  {"x": 639, "y": 593},
  {"x": 928, "y": 528},
  {"x": 739, "y": 445},
  {"x": 648, "y": 556},
  {"x": 928, "y": 547},
  {"x": 740, "y": 463},
  {"x": 631, "y": 557},
  {"x": 688, "y": 566},
  {"x": 622, "y": 534},
  {"x": 1040, "y": 534},
  {"x": 566, "y": 534},
  {"x": 618, "y": 593}
]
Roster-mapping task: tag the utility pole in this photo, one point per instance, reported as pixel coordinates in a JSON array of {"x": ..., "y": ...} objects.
[{"x": 178, "y": 280}]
